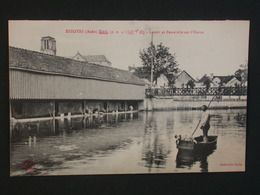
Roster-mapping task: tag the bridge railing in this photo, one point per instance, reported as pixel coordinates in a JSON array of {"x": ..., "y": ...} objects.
[{"x": 238, "y": 91}]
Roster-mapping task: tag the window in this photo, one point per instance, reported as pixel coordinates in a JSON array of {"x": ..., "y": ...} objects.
[{"x": 46, "y": 44}]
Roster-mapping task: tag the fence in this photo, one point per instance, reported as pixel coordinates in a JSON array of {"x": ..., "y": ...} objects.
[{"x": 238, "y": 91}]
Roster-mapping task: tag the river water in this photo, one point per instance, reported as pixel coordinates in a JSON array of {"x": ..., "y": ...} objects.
[{"x": 129, "y": 143}]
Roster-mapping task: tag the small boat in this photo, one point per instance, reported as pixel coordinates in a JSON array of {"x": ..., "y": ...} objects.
[{"x": 197, "y": 143}]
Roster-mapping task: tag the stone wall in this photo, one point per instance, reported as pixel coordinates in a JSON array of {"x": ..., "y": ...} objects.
[{"x": 173, "y": 104}]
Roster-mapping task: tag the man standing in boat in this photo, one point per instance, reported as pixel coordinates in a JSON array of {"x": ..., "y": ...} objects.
[{"x": 205, "y": 119}]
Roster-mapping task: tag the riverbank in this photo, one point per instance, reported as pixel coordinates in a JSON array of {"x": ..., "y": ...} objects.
[{"x": 175, "y": 104}]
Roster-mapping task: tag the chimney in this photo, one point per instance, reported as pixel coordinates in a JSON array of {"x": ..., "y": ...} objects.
[{"x": 48, "y": 45}]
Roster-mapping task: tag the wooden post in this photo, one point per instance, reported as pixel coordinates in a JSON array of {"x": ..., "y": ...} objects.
[
  {"x": 125, "y": 106},
  {"x": 53, "y": 108},
  {"x": 107, "y": 107},
  {"x": 53, "y": 126},
  {"x": 84, "y": 107}
]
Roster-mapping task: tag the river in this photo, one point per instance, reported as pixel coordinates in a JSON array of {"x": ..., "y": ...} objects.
[{"x": 131, "y": 143}]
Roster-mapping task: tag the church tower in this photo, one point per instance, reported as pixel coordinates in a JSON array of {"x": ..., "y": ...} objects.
[{"x": 48, "y": 45}]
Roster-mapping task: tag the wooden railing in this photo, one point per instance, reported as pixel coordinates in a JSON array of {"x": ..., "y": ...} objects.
[{"x": 238, "y": 91}]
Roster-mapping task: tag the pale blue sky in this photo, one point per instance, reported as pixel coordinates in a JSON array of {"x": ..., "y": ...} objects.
[{"x": 220, "y": 50}]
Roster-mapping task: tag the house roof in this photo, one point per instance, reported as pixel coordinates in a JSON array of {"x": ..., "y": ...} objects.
[
  {"x": 93, "y": 58},
  {"x": 238, "y": 78},
  {"x": 203, "y": 79},
  {"x": 44, "y": 63},
  {"x": 182, "y": 72},
  {"x": 224, "y": 79},
  {"x": 96, "y": 58}
]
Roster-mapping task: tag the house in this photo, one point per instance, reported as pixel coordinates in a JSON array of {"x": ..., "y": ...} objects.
[
  {"x": 46, "y": 85},
  {"x": 235, "y": 81},
  {"x": 242, "y": 75},
  {"x": 201, "y": 82},
  {"x": 221, "y": 80},
  {"x": 94, "y": 59},
  {"x": 182, "y": 80},
  {"x": 162, "y": 81}
]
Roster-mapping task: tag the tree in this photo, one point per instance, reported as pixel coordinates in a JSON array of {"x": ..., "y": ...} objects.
[
  {"x": 207, "y": 83},
  {"x": 163, "y": 62},
  {"x": 191, "y": 84},
  {"x": 244, "y": 73}
]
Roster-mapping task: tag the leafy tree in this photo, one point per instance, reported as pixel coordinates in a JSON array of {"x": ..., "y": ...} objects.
[
  {"x": 191, "y": 84},
  {"x": 244, "y": 73},
  {"x": 163, "y": 62},
  {"x": 207, "y": 83}
]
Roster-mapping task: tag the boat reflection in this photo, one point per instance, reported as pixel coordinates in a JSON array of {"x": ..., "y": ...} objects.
[{"x": 187, "y": 158}]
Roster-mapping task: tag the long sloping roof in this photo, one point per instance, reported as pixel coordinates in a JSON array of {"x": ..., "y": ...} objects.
[{"x": 45, "y": 63}]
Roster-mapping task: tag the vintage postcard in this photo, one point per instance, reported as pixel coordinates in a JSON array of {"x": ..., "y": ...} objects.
[{"x": 127, "y": 97}]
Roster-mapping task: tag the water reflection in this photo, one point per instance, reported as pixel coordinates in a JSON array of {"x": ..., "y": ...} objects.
[
  {"x": 155, "y": 146},
  {"x": 21, "y": 130},
  {"x": 104, "y": 143},
  {"x": 186, "y": 158}
]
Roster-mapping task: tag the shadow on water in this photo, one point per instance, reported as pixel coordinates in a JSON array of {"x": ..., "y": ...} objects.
[
  {"x": 51, "y": 143},
  {"x": 187, "y": 158},
  {"x": 21, "y": 131}
]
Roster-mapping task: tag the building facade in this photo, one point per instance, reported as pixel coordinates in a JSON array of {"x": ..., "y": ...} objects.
[
  {"x": 45, "y": 85},
  {"x": 94, "y": 59},
  {"x": 181, "y": 81}
]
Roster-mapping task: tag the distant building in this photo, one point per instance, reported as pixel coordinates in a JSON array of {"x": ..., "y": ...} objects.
[
  {"x": 48, "y": 45},
  {"x": 201, "y": 82},
  {"x": 221, "y": 80},
  {"x": 182, "y": 80},
  {"x": 241, "y": 74},
  {"x": 162, "y": 81},
  {"x": 235, "y": 81},
  {"x": 94, "y": 59}
]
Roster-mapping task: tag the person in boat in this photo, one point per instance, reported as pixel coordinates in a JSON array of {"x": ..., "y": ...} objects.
[{"x": 205, "y": 126}]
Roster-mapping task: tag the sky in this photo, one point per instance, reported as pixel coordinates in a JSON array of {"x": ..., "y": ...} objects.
[{"x": 200, "y": 47}]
